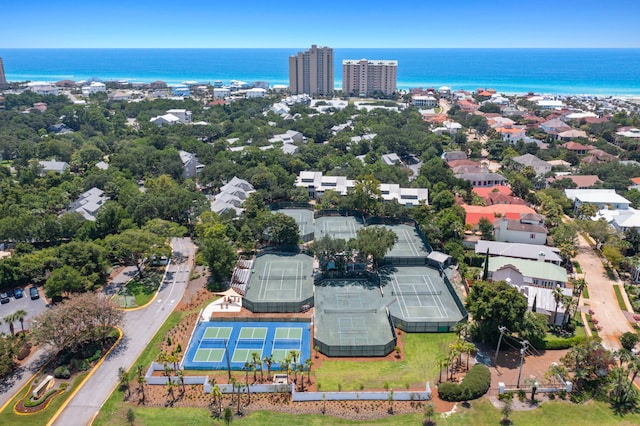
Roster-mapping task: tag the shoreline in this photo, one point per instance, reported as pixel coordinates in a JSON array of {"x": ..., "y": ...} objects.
[{"x": 402, "y": 86}]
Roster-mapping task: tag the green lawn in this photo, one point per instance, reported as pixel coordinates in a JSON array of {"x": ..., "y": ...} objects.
[
  {"x": 621, "y": 304},
  {"x": 420, "y": 365},
  {"x": 9, "y": 418},
  {"x": 585, "y": 292},
  {"x": 558, "y": 413},
  {"x": 577, "y": 266}
]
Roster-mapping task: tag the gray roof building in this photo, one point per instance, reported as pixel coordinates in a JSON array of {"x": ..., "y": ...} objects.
[
  {"x": 88, "y": 203},
  {"x": 519, "y": 251}
]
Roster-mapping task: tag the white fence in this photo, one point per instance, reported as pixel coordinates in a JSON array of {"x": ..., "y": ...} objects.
[
  {"x": 568, "y": 387},
  {"x": 363, "y": 396}
]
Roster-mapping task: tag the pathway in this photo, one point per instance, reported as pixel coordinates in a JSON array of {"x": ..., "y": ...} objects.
[
  {"x": 602, "y": 298},
  {"x": 139, "y": 327}
]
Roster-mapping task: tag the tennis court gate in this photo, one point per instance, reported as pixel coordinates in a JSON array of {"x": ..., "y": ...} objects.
[{"x": 259, "y": 306}]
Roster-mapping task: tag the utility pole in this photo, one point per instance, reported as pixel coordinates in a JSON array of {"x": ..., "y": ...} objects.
[
  {"x": 502, "y": 331},
  {"x": 525, "y": 346}
]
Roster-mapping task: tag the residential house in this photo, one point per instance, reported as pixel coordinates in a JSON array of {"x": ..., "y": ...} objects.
[
  {"x": 424, "y": 101},
  {"x": 577, "y": 147},
  {"x": 473, "y": 214},
  {"x": 519, "y": 251},
  {"x": 191, "y": 165},
  {"x": 173, "y": 116},
  {"x": 221, "y": 92},
  {"x": 628, "y": 132},
  {"x": 52, "y": 166},
  {"x": 448, "y": 127},
  {"x": 598, "y": 156},
  {"x": 511, "y": 134},
  {"x": 317, "y": 184},
  {"x": 518, "y": 272},
  {"x": 454, "y": 155},
  {"x": 581, "y": 181},
  {"x": 93, "y": 88},
  {"x": 528, "y": 160},
  {"x": 256, "y": 92},
  {"x": 622, "y": 219},
  {"x": 483, "y": 179},
  {"x": 180, "y": 90},
  {"x": 231, "y": 196},
  {"x": 635, "y": 183},
  {"x": 391, "y": 159},
  {"x": 602, "y": 198},
  {"x": 524, "y": 230},
  {"x": 567, "y": 135},
  {"x": 554, "y": 126},
  {"x": 88, "y": 203},
  {"x": 42, "y": 88}
]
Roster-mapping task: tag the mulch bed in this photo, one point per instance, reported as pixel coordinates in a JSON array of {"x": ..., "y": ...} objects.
[{"x": 20, "y": 407}]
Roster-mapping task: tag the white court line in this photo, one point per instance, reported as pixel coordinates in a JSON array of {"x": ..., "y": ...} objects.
[
  {"x": 263, "y": 283},
  {"x": 412, "y": 245},
  {"x": 436, "y": 297},
  {"x": 402, "y": 303}
]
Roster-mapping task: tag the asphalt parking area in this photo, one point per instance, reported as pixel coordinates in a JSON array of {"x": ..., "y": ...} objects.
[{"x": 31, "y": 307}]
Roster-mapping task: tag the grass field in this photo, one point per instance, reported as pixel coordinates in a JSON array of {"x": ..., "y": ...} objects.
[
  {"x": 481, "y": 413},
  {"x": 621, "y": 304},
  {"x": 419, "y": 366}
]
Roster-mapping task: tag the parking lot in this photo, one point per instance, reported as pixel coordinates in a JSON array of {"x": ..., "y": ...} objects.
[{"x": 31, "y": 307}]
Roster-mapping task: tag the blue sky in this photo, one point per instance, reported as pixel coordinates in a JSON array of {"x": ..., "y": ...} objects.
[{"x": 345, "y": 23}]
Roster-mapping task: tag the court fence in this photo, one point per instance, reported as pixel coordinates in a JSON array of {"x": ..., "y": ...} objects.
[
  {"x": 260, "y": 319},
  {"x": 342, "y": 212},
  {"x": 363, "y": 396},
  {"x": 258, "y": 306},
  {"x": 376, "y": 220},
  {"x": 371, "y": 277}
]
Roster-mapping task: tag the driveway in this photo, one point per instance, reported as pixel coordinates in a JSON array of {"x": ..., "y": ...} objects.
[
  {"x": 602, "y": 298},
  {"x": 139, "y": 327}
]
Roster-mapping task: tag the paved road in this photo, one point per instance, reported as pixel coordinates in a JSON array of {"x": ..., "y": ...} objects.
[
  {"x": 602, "y": 298},
  {"x": 139, "y": 327}
]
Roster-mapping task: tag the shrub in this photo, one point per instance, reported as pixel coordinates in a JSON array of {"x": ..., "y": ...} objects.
[
  {"x": 24, "y": 352},
  {"x": 475, "y": 384},
  {"x": 63, "y": 386},
  {"x": 62, "y": 372},
  {"x": 559, "y": 344},
  {"x": 30, "y": 402}
]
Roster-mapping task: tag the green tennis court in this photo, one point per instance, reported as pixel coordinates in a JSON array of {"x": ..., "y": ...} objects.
[
  {"x": 288, "y": 333},
  {"x": 253, "y": 333},
  {"x": 209, "y": 355},
  {"x": 217, "y": 332}
]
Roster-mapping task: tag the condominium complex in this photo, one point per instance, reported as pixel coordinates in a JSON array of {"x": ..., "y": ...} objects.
[
  {"x": 311, "y": 71},
  {"x": 3, "y": 80},
  {"x": 363, "y": 77}
]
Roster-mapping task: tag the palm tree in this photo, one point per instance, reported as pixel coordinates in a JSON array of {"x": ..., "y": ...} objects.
[
  {"x": 173, "y": 359},
  {"x": 255, "y": 361},
  {"x": 294, "y": 358},
  {"x": 557, "y": 296},
  {"x": 217, "y": 395},
  {"x": 20, "y": 315},
  {"x": 170, "y": 390},
  {"x": 180, "y": 375},
  {"x": 124, "y": 379},
  {"x": 268, "y": 361},
  {"x": 634, "y": 367},
  {"x": 300, "y": 368},
  {"x": 308, "y": 362},
  {"x": 247, "y": 367},
  {"x": 429, "y": 411},
  {"x": 9, "y": 319},
  {"x": 141, "y": 381}
]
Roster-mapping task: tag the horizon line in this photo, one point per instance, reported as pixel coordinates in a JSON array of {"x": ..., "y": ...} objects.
[{"x": 352, "y": 47}]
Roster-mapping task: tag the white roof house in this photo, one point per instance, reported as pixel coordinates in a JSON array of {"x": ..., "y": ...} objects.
[
  {"x": 603, "y": 198},
  {"x": 527, "y": 272},
  {"x": 256, "y": 92},
  {"x": 317, "y": 184},
  {"x": 232, "y": 195},
  {"x": 631, "y": 133},
  {"x": 519, "y": 250},
  {"x": 53, "y": 166},
  {"x": 621, "y": 220},
  {"x": 88, "y": 203},
  {"x": 167, "y": 119},
  {"x": 93, "y": 88}
]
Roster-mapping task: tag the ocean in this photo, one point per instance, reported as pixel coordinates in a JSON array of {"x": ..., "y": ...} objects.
[{"x": 613, "y": 72}]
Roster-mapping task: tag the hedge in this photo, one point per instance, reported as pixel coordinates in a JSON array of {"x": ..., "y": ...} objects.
[
  {"x": 62, "y": 372},
  {"x": 558, "y": 344},
  {"x": 475, "y": 384}
]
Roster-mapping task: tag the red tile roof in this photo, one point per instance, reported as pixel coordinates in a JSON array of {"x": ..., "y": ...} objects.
[
  {"x": 483, "y": 192},
  {"x": 511, "y": 211}
]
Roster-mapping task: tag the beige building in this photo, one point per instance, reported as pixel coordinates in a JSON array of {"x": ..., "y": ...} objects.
[
  {"x": 3, "y": 80},
  {"x": 311, "y": 71},
  {"x": 363, "y": 77}
]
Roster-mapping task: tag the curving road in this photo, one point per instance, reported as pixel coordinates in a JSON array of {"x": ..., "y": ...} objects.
[{"x": 139, "y": 327}]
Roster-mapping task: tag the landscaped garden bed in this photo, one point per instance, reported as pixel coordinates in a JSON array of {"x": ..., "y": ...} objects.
[{"x": 139, "y": 291}]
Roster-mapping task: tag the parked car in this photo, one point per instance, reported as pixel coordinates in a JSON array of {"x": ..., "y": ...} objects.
[
  {"x": 11, "y": 293},
  {"x": 18, "y": 293},
  {"x": 33, "y": 292},
  {"x": 4, "y": 298}
]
